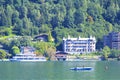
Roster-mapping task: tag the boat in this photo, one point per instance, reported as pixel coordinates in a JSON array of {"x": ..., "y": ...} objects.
[
  {"x": 81, "y": 68},
  {"x": 27, "y": 55},
  {"x": 5, "y": 60},
  {"x": 27, "y": 58}
]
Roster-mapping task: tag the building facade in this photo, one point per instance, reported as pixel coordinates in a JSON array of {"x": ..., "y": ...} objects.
[
  {"x": 27, "y": 50},
  {"x": 112, "y": 40},
  {"x": 79, "y": 45}
]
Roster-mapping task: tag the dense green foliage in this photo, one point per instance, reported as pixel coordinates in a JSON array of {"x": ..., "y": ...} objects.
[
  {"x": 3, "y": 54},
  {"x": 41, "y": 48},
  {"x": 61, "y": 17},
  {"x": 45, "y": 48},
  {"x": 13, "y": 44}
]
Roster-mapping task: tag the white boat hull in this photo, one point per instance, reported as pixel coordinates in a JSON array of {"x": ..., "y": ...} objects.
[{"x": 27, "y": 60}]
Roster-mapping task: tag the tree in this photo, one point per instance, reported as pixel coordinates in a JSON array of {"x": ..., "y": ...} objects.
[
  {"x": 15, "y": 50},
  {"x": 9, "y": 12},
  {"x": 69, "y": 19},
  {"x": 44, "y": 28},
  {"x": 110, "y": 14},
  {"x": 114, "y": 53},
  {"x": 27, "y": 25},
  {"x": 8, "y": 31},
  {"x": 3, "y": 19},
  {"x": 9, "y": 2},
  {"x": 23, "y": 12},
  {"x": 17, "y": 3},
  {"x": 79, "y": 17},
  {"x": 15, "y": 42},
  {"x": 106, "y": 52},
  {"x": 42, "y": 47},
  {"x": 35, "y": 16},
  {"x": 50, "y": 38},
  {"x": 25, "y": 41},
  {"x": 51, "y": 53},
  {"x": 15, "y": 17},
  {"x": 54, "y": 21}
]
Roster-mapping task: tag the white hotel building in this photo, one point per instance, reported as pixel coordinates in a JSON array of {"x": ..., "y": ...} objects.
[{"x": 79, "y": 45}]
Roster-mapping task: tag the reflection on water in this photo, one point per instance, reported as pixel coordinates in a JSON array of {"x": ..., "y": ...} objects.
[{"x": 59, "y": 70}]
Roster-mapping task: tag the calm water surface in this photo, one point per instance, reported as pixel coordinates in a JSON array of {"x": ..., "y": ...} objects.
[{"x": 59, "y": 70}]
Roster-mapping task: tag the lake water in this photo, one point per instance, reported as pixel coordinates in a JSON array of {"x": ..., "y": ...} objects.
[{"x": 59, "y": 70}]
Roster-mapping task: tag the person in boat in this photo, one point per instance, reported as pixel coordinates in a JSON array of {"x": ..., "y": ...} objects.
[{"x": 83, "y": 66}]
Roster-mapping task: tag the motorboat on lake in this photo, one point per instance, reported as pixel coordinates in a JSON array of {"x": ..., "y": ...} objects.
[{"x": 81, "y": 68}]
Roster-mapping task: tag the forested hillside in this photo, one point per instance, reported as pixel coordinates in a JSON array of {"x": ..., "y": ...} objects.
[{"x": 61, "y": 17}]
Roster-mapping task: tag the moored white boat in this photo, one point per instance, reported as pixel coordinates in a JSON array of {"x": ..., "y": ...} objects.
[
  {"x": 27, "y": 55},
  {"x": 27, "y": 58},
  {"x": 4, "y": 59}
]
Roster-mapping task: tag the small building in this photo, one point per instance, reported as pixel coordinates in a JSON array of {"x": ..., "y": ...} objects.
[
  {"x": 112, "y": 40},
  {"x": 27, "y": 50},
  {"x": 79, "y": 45},
  {"x": 61, "y": 56},
  {"x": 41, "y": 37}
]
